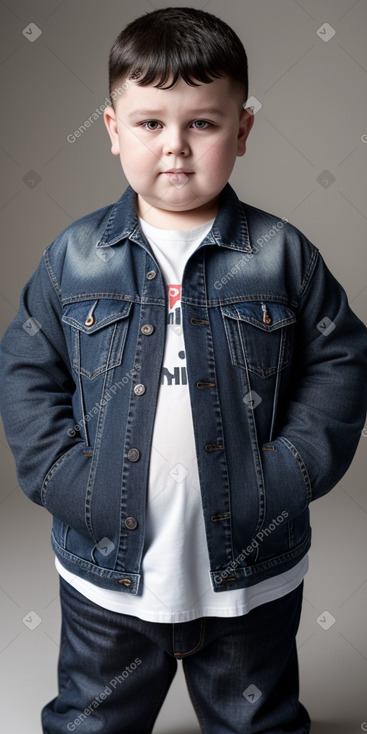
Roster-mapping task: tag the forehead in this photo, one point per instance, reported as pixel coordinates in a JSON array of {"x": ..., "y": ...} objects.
[{"x": 216, "y": 95}]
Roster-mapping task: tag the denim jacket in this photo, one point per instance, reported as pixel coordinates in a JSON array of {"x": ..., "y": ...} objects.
[{"x": 276, "y": 366}]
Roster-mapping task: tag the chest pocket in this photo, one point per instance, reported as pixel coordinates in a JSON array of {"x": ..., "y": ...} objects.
[
  {"x": 97, "y": 334},
  {"x": 259, "y": 335}
]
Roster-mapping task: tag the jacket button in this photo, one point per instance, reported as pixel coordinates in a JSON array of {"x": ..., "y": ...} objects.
[
  {"x": 131, "y": 523},
  {"x": 147, "y": 329},
  {"x": 133, "y": 454},
  {"x": 151, "y": 274},
  {"x": 139, "y": 389},
  {"x": 125, "y": 582}
]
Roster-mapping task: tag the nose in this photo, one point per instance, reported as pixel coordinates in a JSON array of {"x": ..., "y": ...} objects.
[{"x": 175, "y": 142}]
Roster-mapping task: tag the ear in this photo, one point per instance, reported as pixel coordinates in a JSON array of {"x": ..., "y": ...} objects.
[
  {"x": 245, "y": 124},
  {"x": 110, "y": 120}
]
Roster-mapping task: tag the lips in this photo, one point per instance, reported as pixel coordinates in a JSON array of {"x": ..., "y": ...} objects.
[
  {"x": 178, "y": 177},
  {"x": 178, "y": 170}
]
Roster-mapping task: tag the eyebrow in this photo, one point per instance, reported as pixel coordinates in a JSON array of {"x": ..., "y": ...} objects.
[{"x": 192, "y": 113}]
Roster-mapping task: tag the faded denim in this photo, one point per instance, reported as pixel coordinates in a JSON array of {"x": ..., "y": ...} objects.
[{"x": 276, "y": 365}]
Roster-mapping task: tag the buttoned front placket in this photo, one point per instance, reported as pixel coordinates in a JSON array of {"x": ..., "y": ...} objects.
[
  {"x": 150, "y": 298},
  {"x": 143, "y": 399},
  {"x": 206, "y": 412}
]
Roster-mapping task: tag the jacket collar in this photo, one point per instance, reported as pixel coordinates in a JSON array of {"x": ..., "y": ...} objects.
[{"x": 229, "y": 227}]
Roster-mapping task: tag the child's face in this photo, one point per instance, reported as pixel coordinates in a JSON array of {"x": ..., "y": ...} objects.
[{"x": 199, "y": 130}]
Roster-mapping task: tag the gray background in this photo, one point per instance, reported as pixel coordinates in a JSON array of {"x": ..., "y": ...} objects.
[{"x": 313, "y": 119}]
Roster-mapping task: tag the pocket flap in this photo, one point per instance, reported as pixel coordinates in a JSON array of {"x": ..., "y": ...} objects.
[
  {"x": 252, "y": 312},
  {"x": 92, "y": 315}
]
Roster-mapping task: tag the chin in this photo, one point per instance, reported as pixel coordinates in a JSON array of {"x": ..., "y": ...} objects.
[{"x": 164, "y": 202}]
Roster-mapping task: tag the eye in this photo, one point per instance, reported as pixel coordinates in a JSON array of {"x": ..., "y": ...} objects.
[
  {"x": 200, "y": 124},
  {"x": 149, "y": 123},
  {"x": 152, "y": 125}
]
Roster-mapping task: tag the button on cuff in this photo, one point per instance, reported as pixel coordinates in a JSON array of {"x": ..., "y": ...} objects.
[
  {"x": 125, "y": 582},
  {"x": 131, "y": 523}
]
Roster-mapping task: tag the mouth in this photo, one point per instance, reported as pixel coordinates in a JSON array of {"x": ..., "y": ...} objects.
[
  {"x": 178, "y": 170},
  {"x": 178, "y": 177}
]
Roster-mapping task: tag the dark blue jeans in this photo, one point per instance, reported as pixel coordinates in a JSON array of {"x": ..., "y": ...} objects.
[{"x": 115, "y": 670}]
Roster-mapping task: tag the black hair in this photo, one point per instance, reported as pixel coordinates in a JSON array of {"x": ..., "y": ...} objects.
[{"x": 181, "y": 42}]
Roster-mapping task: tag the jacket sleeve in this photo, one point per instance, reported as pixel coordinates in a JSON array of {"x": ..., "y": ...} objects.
[
  {"x": 325, "y": 409},
  {"x": 36, "y": 403}
]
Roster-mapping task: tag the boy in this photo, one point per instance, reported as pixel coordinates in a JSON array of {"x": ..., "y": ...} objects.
[{"x": 183, "y": 378}]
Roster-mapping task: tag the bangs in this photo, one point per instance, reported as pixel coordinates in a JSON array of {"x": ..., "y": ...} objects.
[{"x": 159, "y": 71}]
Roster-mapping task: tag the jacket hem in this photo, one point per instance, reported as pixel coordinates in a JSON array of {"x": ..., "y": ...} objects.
[
  {"x": 229, "y": 578},
  {"x": 107, "y": 578},
  {"x": 222, "y": 580}
]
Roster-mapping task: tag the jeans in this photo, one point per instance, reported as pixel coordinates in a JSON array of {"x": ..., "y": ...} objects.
[{"x": 115, "y": 670}]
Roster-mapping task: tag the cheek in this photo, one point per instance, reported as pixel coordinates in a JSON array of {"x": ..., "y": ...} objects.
[
  {"x": 133, "y": 146},
  {"x": 230, "y": 146},
  {"x": 223, "y": 154},
  {"x": 135, "y": 157}
]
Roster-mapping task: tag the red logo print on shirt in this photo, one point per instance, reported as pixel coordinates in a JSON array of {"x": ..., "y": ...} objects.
[{"x": 174, "y": 295}]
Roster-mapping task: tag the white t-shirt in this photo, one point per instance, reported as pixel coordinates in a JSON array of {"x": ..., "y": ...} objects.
[{"x": 175, "y": 584}]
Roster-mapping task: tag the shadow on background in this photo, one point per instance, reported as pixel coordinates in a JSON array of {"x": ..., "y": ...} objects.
[{"x": 332, "y": 727}]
